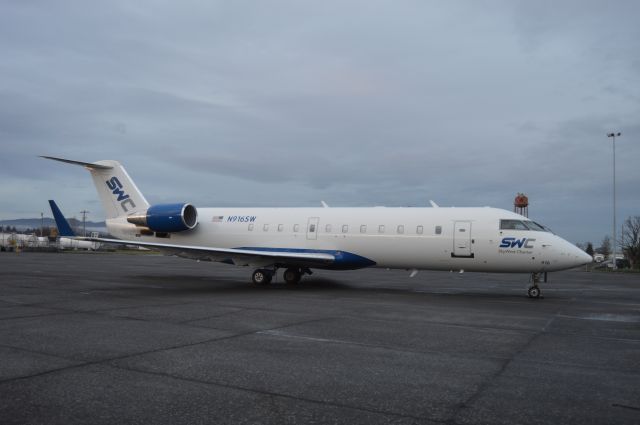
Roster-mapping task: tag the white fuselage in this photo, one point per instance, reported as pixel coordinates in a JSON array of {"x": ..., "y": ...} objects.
[{"x": 407, "y": 238}]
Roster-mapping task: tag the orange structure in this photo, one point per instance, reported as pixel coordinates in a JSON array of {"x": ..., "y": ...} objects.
[{"x": 521, "y": 204}]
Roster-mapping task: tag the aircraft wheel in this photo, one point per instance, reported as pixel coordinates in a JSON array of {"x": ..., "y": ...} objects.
[
  {"x": 261, "y": 277},
  {"x": 534, "y": 292},
  {"x": 292, "y": 276}
]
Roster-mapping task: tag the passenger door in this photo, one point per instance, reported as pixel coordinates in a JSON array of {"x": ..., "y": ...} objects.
[
  {"x": 312, "y": 228},
  {"x": 462, "y": 239}
]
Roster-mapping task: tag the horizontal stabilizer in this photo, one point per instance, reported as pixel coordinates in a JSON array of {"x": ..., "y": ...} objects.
[
  {"x": 83, "y": 164},
  {"x": 63, "y": 225}
]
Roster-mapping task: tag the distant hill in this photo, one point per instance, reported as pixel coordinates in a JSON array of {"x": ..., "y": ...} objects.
[{"x": 35, "y": 223}]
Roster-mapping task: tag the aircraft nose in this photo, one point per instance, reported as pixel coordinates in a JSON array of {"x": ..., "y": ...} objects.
[
  {"x": 565, "y": 255},
  {"x": 580, "y": 257}
]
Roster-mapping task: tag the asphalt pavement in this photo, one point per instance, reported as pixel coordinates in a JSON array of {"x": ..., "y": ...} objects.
[{"x": 147, "y": 339}]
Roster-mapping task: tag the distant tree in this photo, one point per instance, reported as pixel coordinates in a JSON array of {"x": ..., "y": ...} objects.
[
  {"x": 589, "y": 249},
  {"x": 605, "y": 248},
  {"x": 630, "y": 240}
]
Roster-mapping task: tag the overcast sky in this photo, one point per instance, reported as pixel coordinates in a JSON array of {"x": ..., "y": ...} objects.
[{"x": 357, "y": 103}]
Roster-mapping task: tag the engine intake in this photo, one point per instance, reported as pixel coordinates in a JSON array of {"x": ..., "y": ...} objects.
[{"x": 167, "y": 218}]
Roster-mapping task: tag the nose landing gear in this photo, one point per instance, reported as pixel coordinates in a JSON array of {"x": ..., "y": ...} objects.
[{"x": 534, "y": 289}]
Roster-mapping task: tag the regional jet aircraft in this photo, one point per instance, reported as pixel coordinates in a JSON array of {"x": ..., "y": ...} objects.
[{"x": 301, "y": 239}]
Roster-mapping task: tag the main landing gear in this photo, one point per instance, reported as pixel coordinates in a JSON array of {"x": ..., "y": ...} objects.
[
  {"x": 534, "y": 289},
  {"x": 291, "y": 275},
  {"x": 262, "y": 276}
]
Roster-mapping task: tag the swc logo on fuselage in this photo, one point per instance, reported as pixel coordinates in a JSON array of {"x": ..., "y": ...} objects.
[
  {"x": 517, "y": 243},
  {"x": 116, "y": 188}
]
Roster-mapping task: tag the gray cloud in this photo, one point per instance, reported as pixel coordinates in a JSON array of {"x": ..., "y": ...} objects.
[{"x": 357, "y": 103}]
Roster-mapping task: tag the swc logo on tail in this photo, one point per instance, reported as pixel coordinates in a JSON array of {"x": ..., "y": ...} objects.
[
  {"x": 116, "y": 188},
  {"x": 517, "y": 243}
]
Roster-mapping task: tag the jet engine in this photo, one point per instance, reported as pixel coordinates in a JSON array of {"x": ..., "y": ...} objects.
[{"x": 167, "y": 218}]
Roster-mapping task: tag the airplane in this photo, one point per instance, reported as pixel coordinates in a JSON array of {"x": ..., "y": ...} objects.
[{"x": 301, "y": 239}]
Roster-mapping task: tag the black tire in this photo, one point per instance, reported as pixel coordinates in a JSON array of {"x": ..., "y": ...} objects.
[
  {"x": 261, "y": 277},
  {"x": 534, "y": 292},
  {"x": 292, "y": 276}
]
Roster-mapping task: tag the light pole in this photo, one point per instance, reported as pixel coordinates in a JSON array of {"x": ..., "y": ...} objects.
[
  {"x": 84, "y": 220},
  {"x": 613, "y": 136}
]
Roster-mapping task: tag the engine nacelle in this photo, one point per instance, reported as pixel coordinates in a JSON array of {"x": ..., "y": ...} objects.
[{"x": 167, "y": 218}]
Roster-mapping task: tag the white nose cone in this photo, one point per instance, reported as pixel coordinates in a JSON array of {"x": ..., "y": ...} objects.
[
  {"x": 587, "y": 258},
  {"x": 567, "y": 256},
  {"x": 579, "y": 257}
]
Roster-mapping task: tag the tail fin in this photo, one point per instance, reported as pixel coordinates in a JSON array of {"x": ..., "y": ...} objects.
[
  {"x": 63, "y": 225},
  {"x": 118, "y": 193}
]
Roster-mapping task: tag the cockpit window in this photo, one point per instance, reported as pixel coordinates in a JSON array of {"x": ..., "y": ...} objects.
[
  {"x": 522, "y": 225},
  {"x": 512, "y": 225},
  {"x": 535, "y": 226},
  {"x": 542, "y": 228}
]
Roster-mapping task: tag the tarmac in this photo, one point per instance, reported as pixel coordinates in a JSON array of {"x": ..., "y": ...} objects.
[{"x": 147, "y": 339}]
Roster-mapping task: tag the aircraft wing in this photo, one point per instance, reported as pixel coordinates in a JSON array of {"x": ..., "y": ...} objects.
[{"x": 238, "y": 256}]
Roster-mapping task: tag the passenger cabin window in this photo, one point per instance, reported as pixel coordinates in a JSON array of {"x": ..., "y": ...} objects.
[
  {"x": 312, "y": 228},
  {"x": 419, "y": 230},
  {"x": 251, "y": 227},
  {"x": 512, "y": 225},
  {"x": 438, "y": 230},
  {"x": 345, "y": 228},
  {"x": 265, "y": 227},
  {"x": 363, "y": 228},
  {"x": 381, "y": 228},
  {"x": 327, "y": 228},
  {"x": 296, "y": 228},
  {"x": 400, "y": 229},
  {"x": 280, "y": 227}
]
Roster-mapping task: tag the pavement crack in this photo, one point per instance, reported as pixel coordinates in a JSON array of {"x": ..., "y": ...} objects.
[
  {"x": 41, "y": 353},
  {"x": 487, "y": 382},
  {"x": 624, "y": 406},
  {"x": 213, "y": 316},
  {"x": 85, "y": 363},
  {"x": 273, "y": 394}
]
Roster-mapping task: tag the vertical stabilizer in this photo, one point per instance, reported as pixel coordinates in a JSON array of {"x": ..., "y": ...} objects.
[
  {"x": 63, "y": 225},
  {"x": 118, "y": 193}
]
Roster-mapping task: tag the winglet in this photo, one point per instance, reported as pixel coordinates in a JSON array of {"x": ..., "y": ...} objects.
[
  {"x": 433, "y": 204},
  {"x": 63, "y": 225}
]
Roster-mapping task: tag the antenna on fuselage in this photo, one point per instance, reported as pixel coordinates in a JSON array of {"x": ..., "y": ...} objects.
[{"x": 433, "y": 204}]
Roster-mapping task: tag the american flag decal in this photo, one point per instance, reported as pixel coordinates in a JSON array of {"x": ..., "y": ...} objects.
[{"x": 217, "y": 218}]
